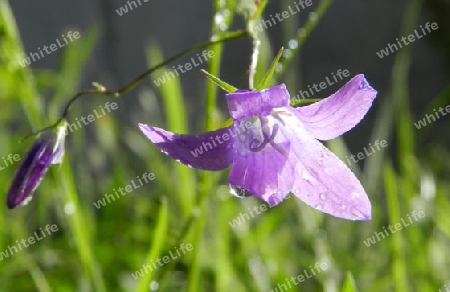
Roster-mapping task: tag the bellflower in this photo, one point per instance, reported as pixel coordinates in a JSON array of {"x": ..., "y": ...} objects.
[
  {"x": 46, "y": 150},
  {"x": 274, "y": 149}
]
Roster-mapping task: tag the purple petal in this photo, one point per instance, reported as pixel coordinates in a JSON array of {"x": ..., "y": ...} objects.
[
  {"x": 260, "y": 173},
  {"x": 245, "y": 104},
  {"x": 308, "y": 169},
  {"x": 204, "y": 151},
  {"x": 31, "y": 170},
  {"x": 335, "y": 115}
]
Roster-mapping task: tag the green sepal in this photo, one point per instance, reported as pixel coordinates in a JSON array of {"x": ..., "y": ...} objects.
[
  {"x": 225, "y": 86},
  {"x": 227, "y": 123},
  {"x": 265, "y": 82}
]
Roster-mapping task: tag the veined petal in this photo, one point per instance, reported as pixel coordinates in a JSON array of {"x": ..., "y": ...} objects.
[
  {"x": 335, "y": 115},
  {"x": 244, "y": 104},
  {"x": 260, "y": 172},
  {"x": 323, "y": 181},
  {"x": 307, "y": 169},
  {"x": 209, "y": 151},
  {"x": 31, "y": 170}
]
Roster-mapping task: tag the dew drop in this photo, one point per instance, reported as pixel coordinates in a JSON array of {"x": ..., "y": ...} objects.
[
  {"x": 278, "y": 67},
  {"x": 309, "y": 195},
  {"x": 69, "y": 208},
  {"x": 196, "y": 212},
  {"x": 239, "y": 192},
  {"x": 154, "y": 286},
  {"x": 343, "y": 206},
  {"x": 313, "y": 16},
  {"x": 355, "y": 195},
  {"x": 287, "y": 53},
  {"x": 319, "y": 207},
  {"x": 323, "y": 196},
  {"x": 293, "y": 44}
]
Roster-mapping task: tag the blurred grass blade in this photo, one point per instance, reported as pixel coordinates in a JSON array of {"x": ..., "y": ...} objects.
[
  {"x": 11, "y": 56},
  {"x": 397, "y": 242},
  {"x": 349, "y": 285},
  {"x": 176, "y": 113},
  {"x": 157, "y": 246}
]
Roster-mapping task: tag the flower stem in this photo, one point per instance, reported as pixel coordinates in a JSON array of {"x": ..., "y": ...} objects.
[
  {"x": 100, "y": 90},
  {"x": 253, "y": 63}
]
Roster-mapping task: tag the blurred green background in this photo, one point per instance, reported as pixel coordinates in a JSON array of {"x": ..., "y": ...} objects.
[{"x": 102, "y": 249}]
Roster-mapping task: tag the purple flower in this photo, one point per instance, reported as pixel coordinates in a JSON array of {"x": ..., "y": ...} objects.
[
  {"x": 274, "y": 151},
  {"x": 47, "y": 149}
]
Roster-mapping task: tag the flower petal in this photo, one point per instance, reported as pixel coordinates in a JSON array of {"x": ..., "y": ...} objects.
[
  {"x": 309, "y": 170},
  {"x": 204, "y": 151},
  {"x": 244, "y": 104},
  {"x": 31, "y": 170},
  {"x": 323, "y": 181},
  {"x": 335, "y": 115},
  {"x": 259, "y": 172}
]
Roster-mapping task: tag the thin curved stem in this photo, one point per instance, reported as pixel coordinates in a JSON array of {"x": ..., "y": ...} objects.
[{"x": 101, "y": 91}]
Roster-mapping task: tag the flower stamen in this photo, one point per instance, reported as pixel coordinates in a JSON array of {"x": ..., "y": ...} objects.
[{"x": 269, "y": 138}]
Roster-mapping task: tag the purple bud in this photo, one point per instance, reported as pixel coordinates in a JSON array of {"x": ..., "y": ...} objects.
[{"x": 47, "y": 149}]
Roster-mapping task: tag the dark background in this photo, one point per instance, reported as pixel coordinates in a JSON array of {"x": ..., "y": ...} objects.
[{"x": 348, "y": 37}]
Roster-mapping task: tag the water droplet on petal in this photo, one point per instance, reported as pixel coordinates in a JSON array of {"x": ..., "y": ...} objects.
[
  {"x": 309, "y": 195},
  {"x": 239, "y": 192},
  {"x": 319, "y": 207},
  {"x": 323, "y": 196},
  {"x": 343, "y": 206},
  {"x": 355, "y": 195}
]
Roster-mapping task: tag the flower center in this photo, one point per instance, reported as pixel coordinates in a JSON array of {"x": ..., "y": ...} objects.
[{"x": 267, "y": 137}]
